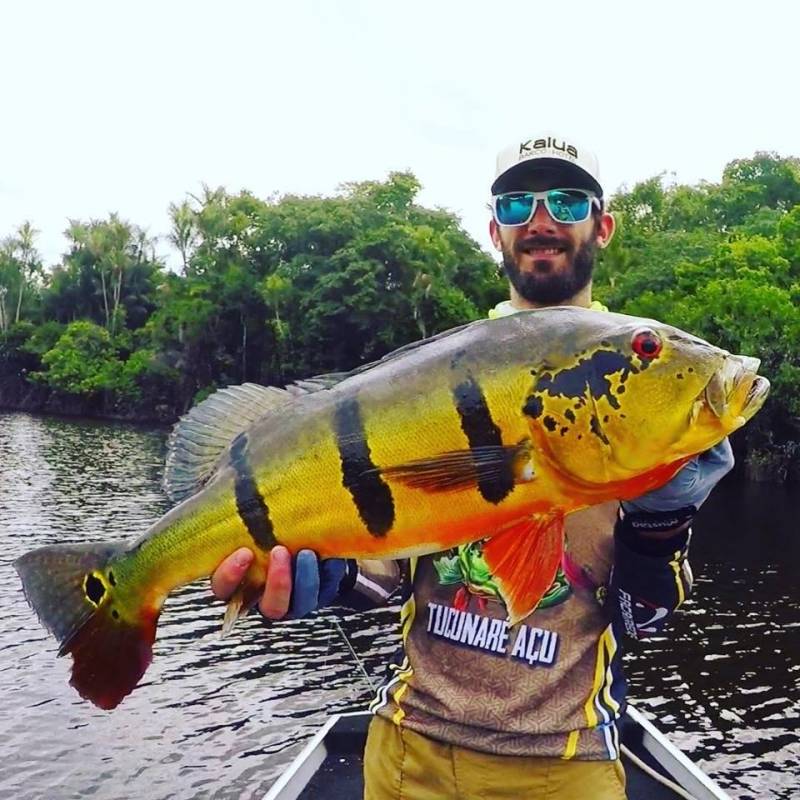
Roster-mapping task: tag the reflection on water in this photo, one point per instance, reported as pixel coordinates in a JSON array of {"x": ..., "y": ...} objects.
[{"x": 220, "y": 718}]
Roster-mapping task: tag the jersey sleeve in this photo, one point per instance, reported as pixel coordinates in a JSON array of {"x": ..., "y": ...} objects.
[
  {"x": 370, "y": 584},
  {"x": 650, "y": 579}
]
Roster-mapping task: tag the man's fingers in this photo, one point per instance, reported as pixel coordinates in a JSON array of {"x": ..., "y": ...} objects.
[
  {"x": 274, "y": 602},
  {"x": 331, "y": 573},
  {"x": 228, "y": 575},
  {"x": 305, "y": 592}
]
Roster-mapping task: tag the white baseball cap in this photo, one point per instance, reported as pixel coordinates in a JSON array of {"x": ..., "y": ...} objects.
[{"x": 546, "y": 153}]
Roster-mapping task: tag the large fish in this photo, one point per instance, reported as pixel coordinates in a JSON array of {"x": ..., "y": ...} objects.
[{"x": 498, "y": 428}]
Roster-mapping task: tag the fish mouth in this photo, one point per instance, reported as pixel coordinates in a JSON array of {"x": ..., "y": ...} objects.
[
  {"x": 756, "y": 395},
  {"x": 736, "y": 388}
]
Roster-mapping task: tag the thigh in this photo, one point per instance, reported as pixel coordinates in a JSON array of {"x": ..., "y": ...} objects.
[
  {"x": 482, "y": 776},
  {"x": 580, "y": 780},
  {"x": 402, "y": 765}
]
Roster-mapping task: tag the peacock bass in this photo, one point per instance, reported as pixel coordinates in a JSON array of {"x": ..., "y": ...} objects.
[{"x": 495, "y": 429}]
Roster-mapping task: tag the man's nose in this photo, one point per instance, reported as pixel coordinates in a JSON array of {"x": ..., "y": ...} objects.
[{"x": 541, "y": 221}]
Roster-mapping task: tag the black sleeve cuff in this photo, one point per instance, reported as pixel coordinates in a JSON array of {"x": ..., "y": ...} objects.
[{"x": 630, "y": 527}]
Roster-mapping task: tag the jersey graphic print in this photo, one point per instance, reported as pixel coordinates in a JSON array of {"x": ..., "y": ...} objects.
[{"x": 466, "y": 568}]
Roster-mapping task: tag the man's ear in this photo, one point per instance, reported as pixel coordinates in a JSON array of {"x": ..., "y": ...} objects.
[
  {"x": 605, "y": 229},
  {"x": 494, "y": 232}
]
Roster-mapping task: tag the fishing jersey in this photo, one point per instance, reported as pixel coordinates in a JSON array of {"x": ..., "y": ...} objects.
[{"x": 551, "y": 685}]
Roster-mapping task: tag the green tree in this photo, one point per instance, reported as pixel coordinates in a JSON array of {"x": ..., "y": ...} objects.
[
  {"x": 109, "y": 275},
  {"x": 20, "y": 273},
  {"x": 83, "y": 360}
]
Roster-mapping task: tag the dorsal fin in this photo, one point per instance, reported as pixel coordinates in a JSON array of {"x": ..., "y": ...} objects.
[{"x": 200, "y": 437}]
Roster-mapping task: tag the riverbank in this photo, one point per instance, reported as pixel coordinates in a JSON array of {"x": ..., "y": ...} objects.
[
  {"x": 758, "y": 458},
  {"x": 17, "y": 394}
]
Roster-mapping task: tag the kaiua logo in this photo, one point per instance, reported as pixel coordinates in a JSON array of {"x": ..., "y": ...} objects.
[{"x": 527, "y": 148}]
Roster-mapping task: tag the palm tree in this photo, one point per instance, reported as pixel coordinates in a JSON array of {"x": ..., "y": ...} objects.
[
  {"x": 184, "y": 235},
  {"x": 20, "y": 253}
]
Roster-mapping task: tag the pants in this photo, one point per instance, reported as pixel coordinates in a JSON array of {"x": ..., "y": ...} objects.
[{"x": 402, "y": 765}]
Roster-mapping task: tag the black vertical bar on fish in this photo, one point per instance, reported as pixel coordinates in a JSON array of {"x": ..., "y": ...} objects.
[
  {"x": 481, "y": 431},
  {"x": 371, "y": 495},
  {"x": 249, "y": 502}
]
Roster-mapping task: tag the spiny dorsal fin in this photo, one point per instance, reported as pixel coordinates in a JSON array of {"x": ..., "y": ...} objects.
[{"x": 200, "y": 437}]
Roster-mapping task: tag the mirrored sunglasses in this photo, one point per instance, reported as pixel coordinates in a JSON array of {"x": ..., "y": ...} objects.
[{"x": 567, "y": 206}]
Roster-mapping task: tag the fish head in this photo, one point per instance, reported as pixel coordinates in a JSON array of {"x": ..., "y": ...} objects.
[{"x": 630, "y": 395}]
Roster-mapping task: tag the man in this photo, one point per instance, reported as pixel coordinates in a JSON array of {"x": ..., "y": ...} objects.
[{"x": 473, "y": 708}]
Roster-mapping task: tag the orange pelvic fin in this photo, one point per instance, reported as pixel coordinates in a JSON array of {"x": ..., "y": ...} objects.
[{"x": 524, "y": 559}]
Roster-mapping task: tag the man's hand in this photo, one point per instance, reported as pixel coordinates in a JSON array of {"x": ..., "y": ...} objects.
[{"x": 294, "y": 587}]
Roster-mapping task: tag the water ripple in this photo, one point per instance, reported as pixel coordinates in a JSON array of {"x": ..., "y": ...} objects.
[{"x": 221, "y": 717}]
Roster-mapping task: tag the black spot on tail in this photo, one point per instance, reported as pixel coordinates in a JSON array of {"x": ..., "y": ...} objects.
[
  {"x": 252, "y": 509},
  {"x": 371, "y": 494},
  {"x": 95, "y": 589}
]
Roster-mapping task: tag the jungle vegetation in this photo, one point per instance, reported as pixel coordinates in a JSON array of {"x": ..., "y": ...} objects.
[{"x": 271, "y": 290}]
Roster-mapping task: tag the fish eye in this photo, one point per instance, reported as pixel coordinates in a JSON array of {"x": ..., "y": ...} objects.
[{"x": 646, "y": 344}]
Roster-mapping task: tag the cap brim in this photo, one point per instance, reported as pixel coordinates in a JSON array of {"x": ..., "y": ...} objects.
[{"x": 537, "y": 174}]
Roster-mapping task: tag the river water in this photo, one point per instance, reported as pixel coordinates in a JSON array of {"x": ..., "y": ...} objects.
[{"x": 220, "y": 718}]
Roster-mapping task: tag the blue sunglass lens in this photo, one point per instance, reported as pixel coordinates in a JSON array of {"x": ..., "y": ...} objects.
[
  {"x": 514, "y": 209},
  {"x": 568, "y": 206}
]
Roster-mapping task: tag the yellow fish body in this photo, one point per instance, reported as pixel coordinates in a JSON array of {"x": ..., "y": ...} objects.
[{"x": 496, "y": 429}]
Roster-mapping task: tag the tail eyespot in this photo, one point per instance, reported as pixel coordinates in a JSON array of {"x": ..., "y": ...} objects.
[{"x": 94, "y": 588}]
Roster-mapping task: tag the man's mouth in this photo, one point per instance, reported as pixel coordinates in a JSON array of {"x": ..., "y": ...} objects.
[
  {"x": 539, "y": 252},
  {"x": 541, "y": 249}
]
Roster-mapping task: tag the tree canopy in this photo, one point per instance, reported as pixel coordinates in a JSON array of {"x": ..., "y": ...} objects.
[
  {"x": 722, "y": 261},
  {"x": 270, "y": 290}
]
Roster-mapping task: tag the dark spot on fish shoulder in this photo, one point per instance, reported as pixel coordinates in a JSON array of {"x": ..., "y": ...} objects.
[
  {"x": 570, "y": 415},
  {"x": 534, "y": 407},
  {"x": 550, "y": 424}
]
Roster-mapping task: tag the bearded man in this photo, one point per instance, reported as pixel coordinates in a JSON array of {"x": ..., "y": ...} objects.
[{"x": 472, "y": 708}]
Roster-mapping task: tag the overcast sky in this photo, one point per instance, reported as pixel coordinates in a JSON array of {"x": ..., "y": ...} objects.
[{"x": 128, "y": 106}]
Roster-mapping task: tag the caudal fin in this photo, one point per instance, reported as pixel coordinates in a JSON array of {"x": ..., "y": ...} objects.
[{"x": 75, "y": 593}]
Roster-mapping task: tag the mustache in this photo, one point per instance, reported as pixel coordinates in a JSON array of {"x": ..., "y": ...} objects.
[{"x": 541, "y": 241}]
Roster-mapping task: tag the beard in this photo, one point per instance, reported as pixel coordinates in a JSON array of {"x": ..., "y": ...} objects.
[{"x": 543, "y": 285}]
